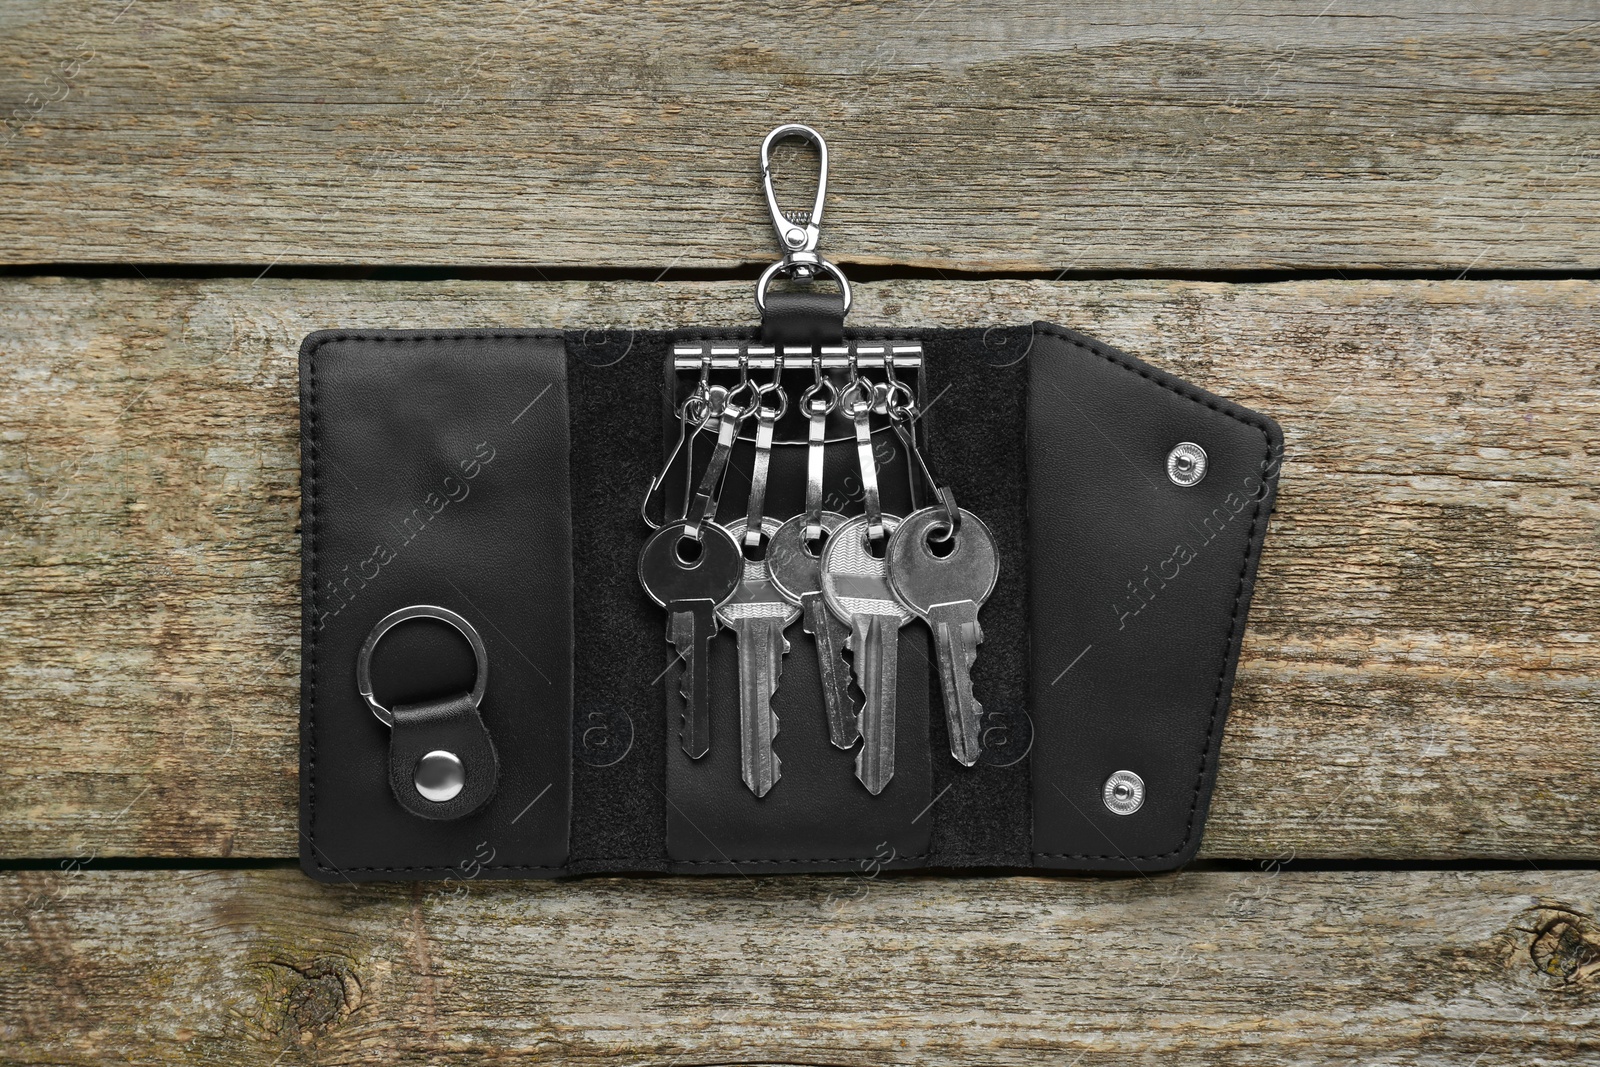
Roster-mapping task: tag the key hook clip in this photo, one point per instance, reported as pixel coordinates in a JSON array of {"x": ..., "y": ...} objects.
[
  {"x": 798, "y": 231},
  {"x": 699, "y": 407},
  {"x": 821, "y": 396},
  {"x": 903, "y": 416},
  {"x": 758, "y": 401}
]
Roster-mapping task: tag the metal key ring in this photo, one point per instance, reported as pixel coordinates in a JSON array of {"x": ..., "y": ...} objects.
[
  {"x": 824, "y": 392},
  {"x": 907, "y": 408},
  {"x": 783, "y": 266},
  {"x": 395, "y": 618}
]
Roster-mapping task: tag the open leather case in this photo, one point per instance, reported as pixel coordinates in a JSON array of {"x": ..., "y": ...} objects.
[{"x": 498, "y": 474}]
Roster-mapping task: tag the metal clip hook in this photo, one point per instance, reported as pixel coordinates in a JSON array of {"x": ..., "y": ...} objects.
[{"x": 798, "y": 231}]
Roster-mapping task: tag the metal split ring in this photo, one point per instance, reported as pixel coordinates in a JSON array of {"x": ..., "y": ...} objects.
[
  {"x": 784, "y": 266},
  {"x": 907, "y": 408},
  {"x": 858, "y": 387},
  {"x": 395, "y": 618},
  {"x": 695, "y": 409},
  {"x": 739, "y": 413}
]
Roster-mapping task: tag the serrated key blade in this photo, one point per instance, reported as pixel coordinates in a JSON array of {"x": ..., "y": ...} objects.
[
  {"x": 947, "y": 588},
  {"x": 956, "y": 635},
  {"x": 875, "y": 646},
  {"x": 761, "y": 650},
  {"x": 689, "y": 628}
]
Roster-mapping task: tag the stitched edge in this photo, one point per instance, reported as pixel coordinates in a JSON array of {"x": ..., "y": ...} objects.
[
  {"x": 446, "y": 871},
  {"x": 1228, "y": 652},
  {"x": 310, "y": 534},
  {"x": 898, "y": 862}
]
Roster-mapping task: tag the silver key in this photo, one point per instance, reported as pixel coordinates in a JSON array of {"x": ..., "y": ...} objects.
[
  {"x": 946, "y": 592},
  {"x": 691, "y": 589},
  {"x": 797, "y": 574},
  {"x": 758, "y": 614},
  {"x": 856, "y": 587}
]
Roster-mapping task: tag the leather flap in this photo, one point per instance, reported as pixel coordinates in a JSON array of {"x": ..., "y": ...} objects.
[
  {"x": 1140, "y": 590},
  {"x": 434, "y": 471}
]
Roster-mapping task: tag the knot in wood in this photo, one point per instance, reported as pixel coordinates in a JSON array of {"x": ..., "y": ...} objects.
[
  {"x": 315, "y": 997},
  {"x": 1566, "y": 946}
]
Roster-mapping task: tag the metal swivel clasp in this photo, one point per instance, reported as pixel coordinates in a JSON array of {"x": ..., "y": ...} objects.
[{"x": 798, "y": 231}]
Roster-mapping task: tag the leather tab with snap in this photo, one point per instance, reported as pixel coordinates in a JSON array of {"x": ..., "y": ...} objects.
[{"x": 442, "y": 761}]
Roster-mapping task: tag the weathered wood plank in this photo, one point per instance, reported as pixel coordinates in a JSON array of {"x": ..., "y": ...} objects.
[
  {"x": 1420, "y": 678},
  {"x": 1023, "y": 134},
  {"x": 1266, "y": 967}
]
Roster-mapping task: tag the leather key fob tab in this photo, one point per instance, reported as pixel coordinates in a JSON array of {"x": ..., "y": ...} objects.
[
  {"x": 444, "y": 729},
  {"x": 803, "y": 318}
]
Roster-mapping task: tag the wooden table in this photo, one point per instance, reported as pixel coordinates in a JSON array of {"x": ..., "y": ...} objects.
[{"x": 1378, "y": 226}]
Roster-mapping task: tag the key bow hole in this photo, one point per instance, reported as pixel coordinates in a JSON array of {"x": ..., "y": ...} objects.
[
  {"x": 689, "y": 552},
  {"x": 939, "y": 541},
  {"x": 757, "y": 552}
]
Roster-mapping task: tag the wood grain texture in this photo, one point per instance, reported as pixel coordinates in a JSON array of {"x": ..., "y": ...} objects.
[
  {"x": 1420, "y": 677},
  {"x": 1024, "y": 134},
  {"x": 1270, "y": 967}
]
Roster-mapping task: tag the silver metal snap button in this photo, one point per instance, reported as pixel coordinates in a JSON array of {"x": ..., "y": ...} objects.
[
  {"x": 1186, "y": 463},
  {"x": 439, "y": 776},
  {"x": 1123, "y": 793}
]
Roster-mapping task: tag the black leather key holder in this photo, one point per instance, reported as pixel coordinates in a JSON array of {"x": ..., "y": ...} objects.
[
  {"x": 442, "y": 762},
  {"x": 800, "y": 597}
]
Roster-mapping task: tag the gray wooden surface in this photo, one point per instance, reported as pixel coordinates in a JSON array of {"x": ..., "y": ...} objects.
[
  {"x": 1026, "y": 134},
  {"x": 1419, "y": 682},
  {"x": 1266, "y": 966}
]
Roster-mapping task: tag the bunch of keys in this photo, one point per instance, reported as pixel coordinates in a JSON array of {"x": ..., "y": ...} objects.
[
  {"x": 854, "y": 582},
  {"x": 706, "y": 575}
]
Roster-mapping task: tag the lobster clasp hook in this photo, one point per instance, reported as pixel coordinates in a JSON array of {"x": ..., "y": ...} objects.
[{"x": 798, "y": 231}]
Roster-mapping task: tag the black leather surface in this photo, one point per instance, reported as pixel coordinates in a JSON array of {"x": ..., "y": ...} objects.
[
  {"x": 1140, "y": 590},
  {"x": 803, "y": 317},
  {"x": 434, "y": 471}
]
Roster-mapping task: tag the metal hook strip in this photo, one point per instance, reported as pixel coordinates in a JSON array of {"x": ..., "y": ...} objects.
[
  {"x": 766, "y": 419},
  {"x": 860, "y": 411},
  {"x": 821, "y": 398},
  {"x": 704, "y": 508},
  {"x": 762, "y": 357}
]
